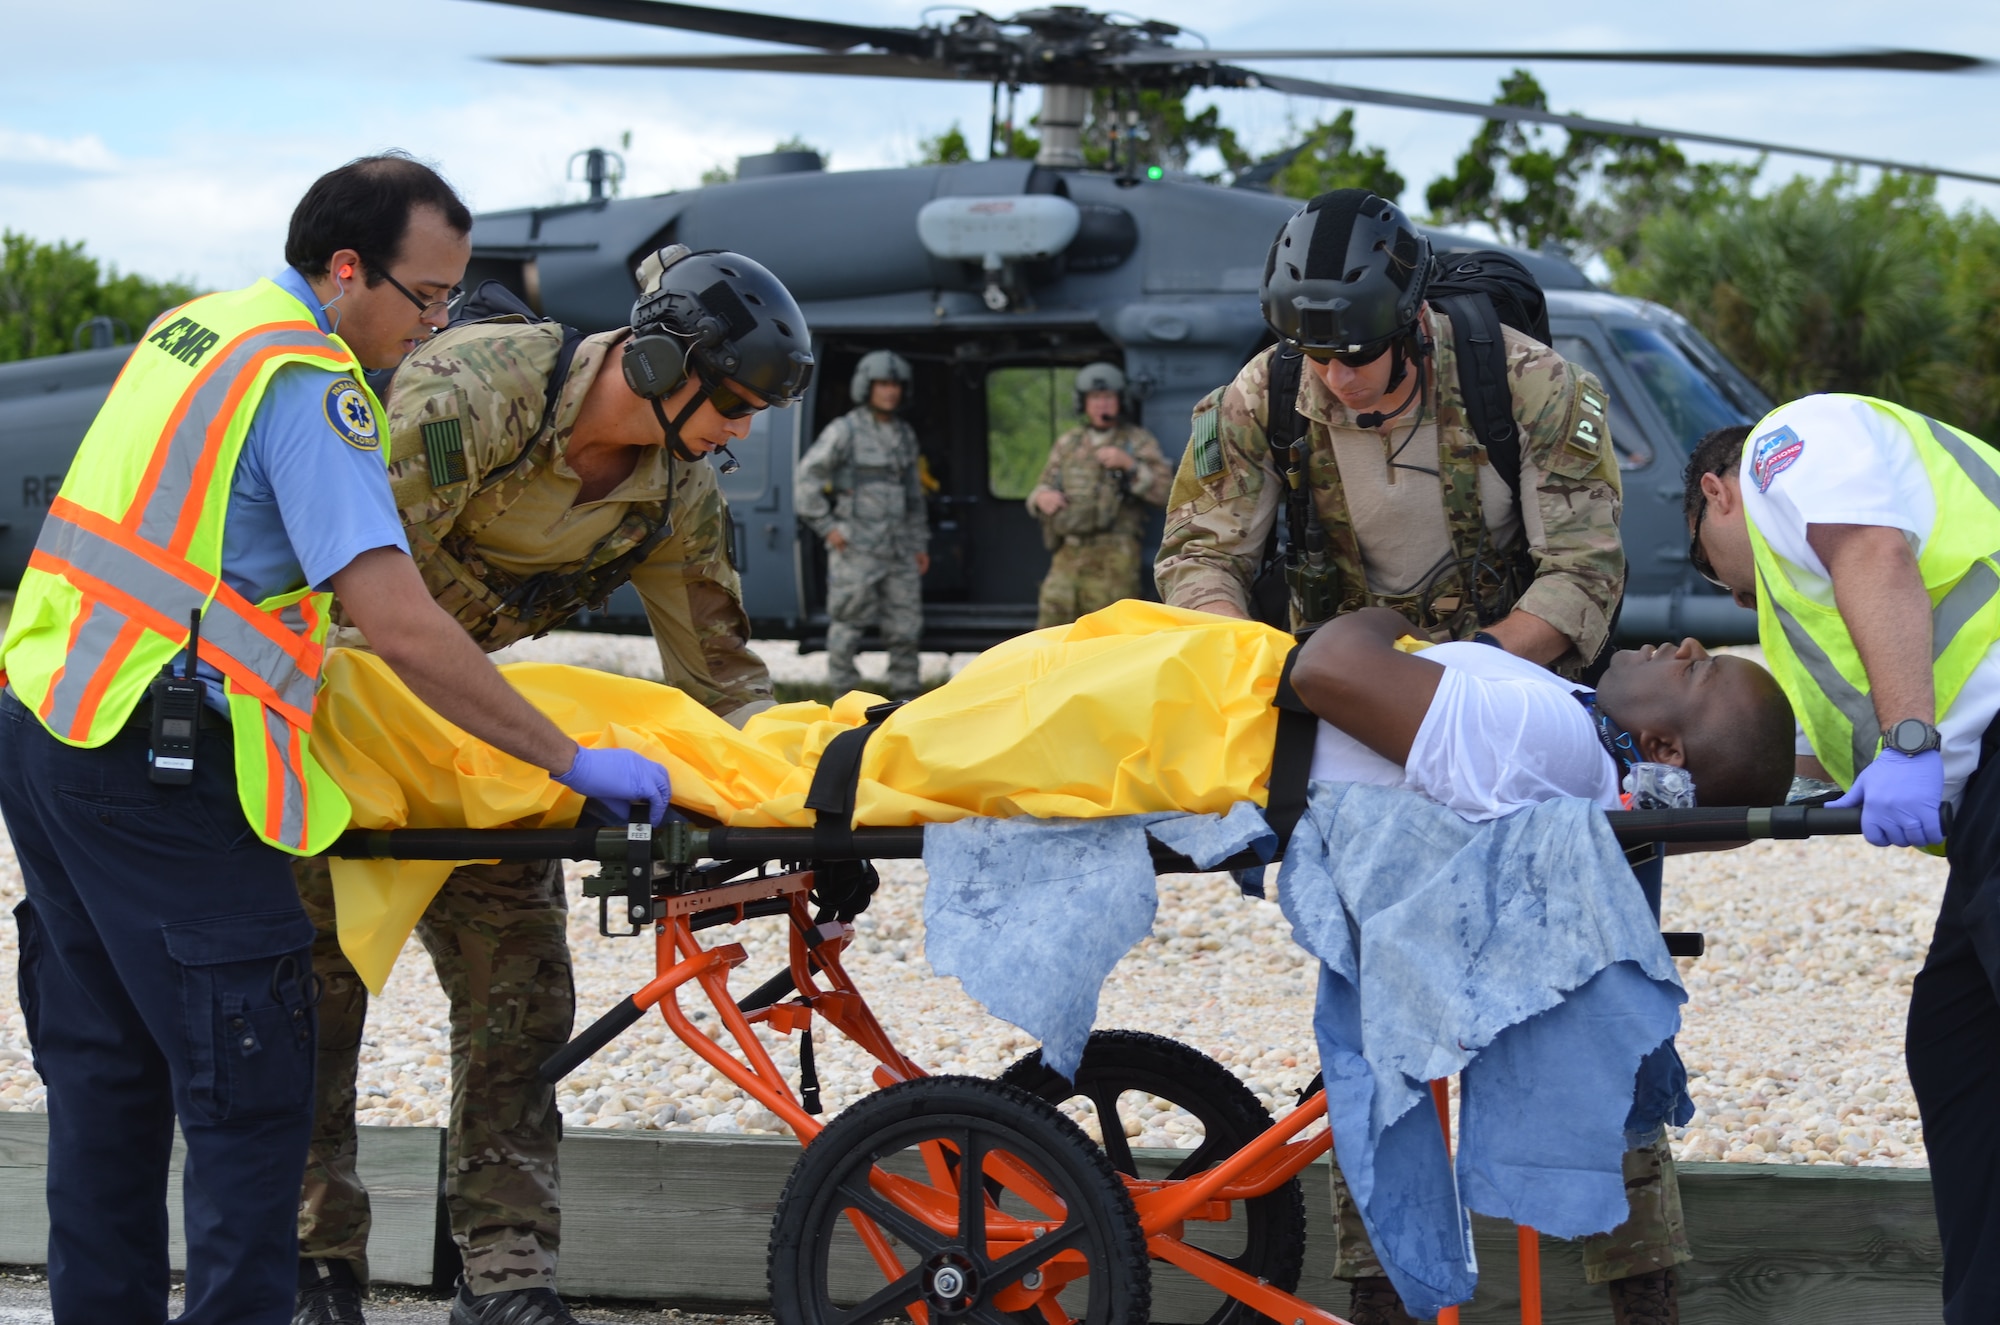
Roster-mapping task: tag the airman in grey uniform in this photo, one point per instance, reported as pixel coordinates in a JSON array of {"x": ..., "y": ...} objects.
[
  {"x": 1091, "y": 500},
  {"x": 861, "y": 490}
]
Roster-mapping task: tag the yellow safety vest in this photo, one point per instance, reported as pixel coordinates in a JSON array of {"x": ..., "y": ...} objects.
[
  {"x": 133, "y": 544},
  {"x": 1806, "y": 643}
]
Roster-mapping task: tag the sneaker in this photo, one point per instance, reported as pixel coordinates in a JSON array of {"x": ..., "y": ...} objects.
[
  {"x": 1374, "y": 1302},
  {"x": 1653, "y": 1298},
  {"x": 517, "y": 1306},
  {"x": 329, "y": 1294}
]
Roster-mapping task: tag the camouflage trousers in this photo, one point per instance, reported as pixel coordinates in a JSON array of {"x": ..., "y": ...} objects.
[
  {"x": 496, "y": 934},
  {"x": 1653, "y": 1236},
  {"x": 864, "y": 589},
  {"x": 1086, "y": 573}
]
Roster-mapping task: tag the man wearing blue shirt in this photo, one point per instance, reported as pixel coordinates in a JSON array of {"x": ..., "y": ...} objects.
[{"x": 165, "y": 957}]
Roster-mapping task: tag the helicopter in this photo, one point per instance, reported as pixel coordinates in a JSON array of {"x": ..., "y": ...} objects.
[{"x": 998, "y": 279}]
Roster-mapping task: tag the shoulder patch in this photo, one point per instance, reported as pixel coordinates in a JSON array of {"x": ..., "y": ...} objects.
[
  {"x": 1774, "y": 453},
  {"x": 350, "y": 415},
  {"x": 444, "y": 447},
  {"x": 1206, "y": 443}
]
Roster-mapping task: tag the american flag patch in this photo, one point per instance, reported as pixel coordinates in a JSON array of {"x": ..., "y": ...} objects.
[{"x": 1207, "y": 445}]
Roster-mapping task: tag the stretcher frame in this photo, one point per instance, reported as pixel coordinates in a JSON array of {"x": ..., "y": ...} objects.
[{"x": 658, "y": 875}]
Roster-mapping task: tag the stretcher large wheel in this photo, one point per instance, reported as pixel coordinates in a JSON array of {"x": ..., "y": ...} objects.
[
  {"x": 876, "y": 1220},
  {"x": 1119, "y": 1067}
]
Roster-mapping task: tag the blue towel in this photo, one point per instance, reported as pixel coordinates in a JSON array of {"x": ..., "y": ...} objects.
[
  {"x": 1030, "y": 915},
  {"x": 1518, "y": 953}
]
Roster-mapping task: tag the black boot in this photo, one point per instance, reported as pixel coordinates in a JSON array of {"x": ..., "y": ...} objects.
[
  {"x": 516, "y": 1306},
  {"x": 1653, "y": 1298},
  {"x": 1374, "y": 1302},
  {"x": 329, "y": 1294}
]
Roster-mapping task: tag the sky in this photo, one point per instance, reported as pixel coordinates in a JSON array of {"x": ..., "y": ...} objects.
[{"x": 174, "y": 139}]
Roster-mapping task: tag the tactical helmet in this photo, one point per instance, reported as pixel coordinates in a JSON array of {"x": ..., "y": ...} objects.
[
  {"x": 1347, "y": 273},
  {"x": 1099, "y": 377},
  {"x": 721, "y": 315},
  {"x": 879, "y": 366}
]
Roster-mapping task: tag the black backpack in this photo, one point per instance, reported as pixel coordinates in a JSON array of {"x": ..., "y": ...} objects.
[
  {"x": 491, "y": 299},
  {"x": 1479, "y": 293}
]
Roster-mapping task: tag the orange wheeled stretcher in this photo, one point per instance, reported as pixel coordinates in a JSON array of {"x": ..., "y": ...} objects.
[{"x": 945, "y": 1197}]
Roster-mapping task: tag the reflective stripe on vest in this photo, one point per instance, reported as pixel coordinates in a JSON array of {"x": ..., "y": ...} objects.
[
  {"x": 120, "y": 566},
  {"x": 1952, "y": 616}
]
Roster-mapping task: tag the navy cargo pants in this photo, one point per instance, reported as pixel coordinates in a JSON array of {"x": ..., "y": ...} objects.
[
  {"x": 1953, "y": 1050},
  {"x": 166, "y": 973}
]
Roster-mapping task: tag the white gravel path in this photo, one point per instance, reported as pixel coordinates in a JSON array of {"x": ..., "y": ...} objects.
[{"x": 1793, "y": 1033}]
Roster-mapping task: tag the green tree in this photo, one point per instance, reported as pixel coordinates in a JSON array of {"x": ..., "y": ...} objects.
[
  {"x": 951, "y": 147},
  {"x": 1824, "y": 286},
  {"x": 1327, "y": 159},
  {"x": 1156, "y": 128},
  {"x": 1590, "y": 195},
  {"x": 48, "y": 291}
]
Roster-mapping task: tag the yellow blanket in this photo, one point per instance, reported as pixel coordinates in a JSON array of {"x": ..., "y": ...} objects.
[{"x": 1138, "y": 707}]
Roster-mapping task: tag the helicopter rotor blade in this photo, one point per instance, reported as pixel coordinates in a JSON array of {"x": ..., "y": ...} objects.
[
  {"x": 1933, "y": 62},
  {"x": 856, "y": 64},
  {"x": 777, "y": 28},
  {"x": 1228, "y": 76}
]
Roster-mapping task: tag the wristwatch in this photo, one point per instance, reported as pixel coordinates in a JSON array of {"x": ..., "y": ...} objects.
[{"x": 1911, "y": 736}]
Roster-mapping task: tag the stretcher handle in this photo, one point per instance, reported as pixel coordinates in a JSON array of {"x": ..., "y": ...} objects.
[{"x": 1733, "y": 823}]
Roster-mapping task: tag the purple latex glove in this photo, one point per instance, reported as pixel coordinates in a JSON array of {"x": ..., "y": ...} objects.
[
  {"x": 1899, "y": 796},
  {"x": 618, "y": 777}
]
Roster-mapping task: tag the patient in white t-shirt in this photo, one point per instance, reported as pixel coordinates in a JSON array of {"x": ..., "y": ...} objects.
[{"x": 1485, "y": 733}]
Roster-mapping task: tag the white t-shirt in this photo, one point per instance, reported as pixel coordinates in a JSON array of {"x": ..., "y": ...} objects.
[
  {"x": 1825, "y": 460},
  {"x": 1501, "y": 734}
]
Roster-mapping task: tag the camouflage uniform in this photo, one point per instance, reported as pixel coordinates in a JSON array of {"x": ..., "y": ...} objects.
[
  {"x": 489, "y": 505},
  {"x": 862, "y": 478},
  {"x": 1227, "y": 494},
  {"x": 1094, "y": 540},
  {"x": 1653, "y": 1236}
]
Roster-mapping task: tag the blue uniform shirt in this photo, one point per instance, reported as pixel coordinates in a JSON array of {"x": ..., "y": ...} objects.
[{"x": 311, "y": 492}]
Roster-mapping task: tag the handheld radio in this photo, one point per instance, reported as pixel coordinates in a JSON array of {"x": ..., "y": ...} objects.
[{"x": 177, "y": 702}]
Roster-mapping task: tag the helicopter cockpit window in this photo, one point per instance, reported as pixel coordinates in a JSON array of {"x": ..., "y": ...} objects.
[
  {"x": 1692, "y": 404},
  {"x": 1626, "y": 439},
  {"x": 1025, "y": 410}
]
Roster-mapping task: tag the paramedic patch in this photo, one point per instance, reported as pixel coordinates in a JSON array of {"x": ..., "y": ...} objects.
[
  {"x": 1773, "y": 454},
  {"x": 349, "y": 414}
]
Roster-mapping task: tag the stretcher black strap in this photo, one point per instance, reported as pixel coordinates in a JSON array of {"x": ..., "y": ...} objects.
[
  {"x": 808, "y": 1074},
  {"x": 836, "y": 782},
  {"x": 1291, "y": 756}
]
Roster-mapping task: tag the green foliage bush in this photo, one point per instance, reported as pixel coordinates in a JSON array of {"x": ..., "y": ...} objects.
[{"x": 48, "y": 291}]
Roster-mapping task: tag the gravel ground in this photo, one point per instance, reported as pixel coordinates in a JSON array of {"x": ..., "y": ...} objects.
[{"x": 1793, "y": 1032}]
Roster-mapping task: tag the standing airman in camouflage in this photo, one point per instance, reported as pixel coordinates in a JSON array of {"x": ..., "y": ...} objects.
[
  {"x": 861, "y": 489},
  {"x": 1091, "y": 501},
  {"x": 536, "y": 472},
  {"x": 1411, "y": 515}
]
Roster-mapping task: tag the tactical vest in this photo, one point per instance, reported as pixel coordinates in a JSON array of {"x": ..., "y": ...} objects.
[
  {"x": 1807, "y": 645},
  {"x": 445, "y": 519},
  {"x": 133, "y": 544},
  {"x": 1100, "y": 500},
  {"x": 1478, "y": 585}
]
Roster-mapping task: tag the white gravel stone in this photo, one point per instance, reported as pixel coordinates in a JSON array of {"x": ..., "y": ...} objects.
[{"x": 1793, "y": 1032}]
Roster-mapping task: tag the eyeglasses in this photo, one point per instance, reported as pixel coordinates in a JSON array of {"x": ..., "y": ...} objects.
[
  {"x": 729, "y": 402},
  {"x": 1360, "y": 358},
  {"x": 425, "y": 307},
  {"x": 1698, "y": 558}
]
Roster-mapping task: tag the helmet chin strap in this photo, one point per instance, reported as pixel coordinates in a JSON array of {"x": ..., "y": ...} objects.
[{"x": 672, "y": 428}]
